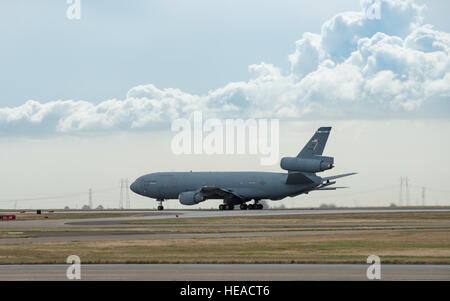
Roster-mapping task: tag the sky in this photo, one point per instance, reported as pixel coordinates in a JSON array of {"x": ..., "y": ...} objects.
[{"x": 86, "y": 102}]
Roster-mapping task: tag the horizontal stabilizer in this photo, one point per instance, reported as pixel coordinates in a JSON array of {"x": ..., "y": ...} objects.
[
  {"x": 331, "y": 188},
  {"x": 338, "y": 176}
]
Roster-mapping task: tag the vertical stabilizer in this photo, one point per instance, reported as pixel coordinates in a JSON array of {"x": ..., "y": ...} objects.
[{"x": 316, "y": 144}]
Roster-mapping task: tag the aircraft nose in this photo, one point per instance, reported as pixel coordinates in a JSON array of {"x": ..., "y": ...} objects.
[{"x": 134, "y": 187}]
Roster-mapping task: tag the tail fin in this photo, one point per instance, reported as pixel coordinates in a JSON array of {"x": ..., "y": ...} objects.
[{"x": 316, "y": 144}]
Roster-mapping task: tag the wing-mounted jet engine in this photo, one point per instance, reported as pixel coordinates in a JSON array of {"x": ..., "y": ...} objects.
[{"x": 191, "y": 197}]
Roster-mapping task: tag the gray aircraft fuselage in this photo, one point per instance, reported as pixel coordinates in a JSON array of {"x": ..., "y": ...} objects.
[
  {"x": 249, "y": 185},
  {"x": 235, "y": 188}
]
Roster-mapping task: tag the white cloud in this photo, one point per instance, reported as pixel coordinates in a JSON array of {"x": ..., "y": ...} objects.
[
  {"x": 356, "y": 68},
  {"x": 308, "y": 54}
]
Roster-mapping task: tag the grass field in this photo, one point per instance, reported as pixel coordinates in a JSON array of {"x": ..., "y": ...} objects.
[
  {"x": 422, "y": 238},
  {"x": 395, "y": 247}
]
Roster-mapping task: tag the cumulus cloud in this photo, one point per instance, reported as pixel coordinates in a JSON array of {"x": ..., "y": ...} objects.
[
  {"x": 340, "y": 34},
  {"x": 357, "y": 67}
]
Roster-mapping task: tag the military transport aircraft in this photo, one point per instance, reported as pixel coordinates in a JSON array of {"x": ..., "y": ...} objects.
[{"x": 239, "y": 188}]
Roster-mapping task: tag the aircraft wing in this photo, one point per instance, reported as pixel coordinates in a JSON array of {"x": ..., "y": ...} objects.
[{"x": 214, "y": 192}]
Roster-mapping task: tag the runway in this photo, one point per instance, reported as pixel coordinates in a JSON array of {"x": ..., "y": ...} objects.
[
  {"x": 155, "y": 215},
  {"x": 225, "y": 272}
]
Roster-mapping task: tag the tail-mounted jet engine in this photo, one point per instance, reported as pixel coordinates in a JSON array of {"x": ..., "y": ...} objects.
[
  {"x": 190, "y": 197},
  {"x": 313, "y": 164}
]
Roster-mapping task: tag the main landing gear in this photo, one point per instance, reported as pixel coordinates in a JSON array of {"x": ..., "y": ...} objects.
[
  {"x": 255, "y": 207},
  {"x": 160, "y": 207},
  {"x": 243, "y": 206},
  {"x": 226, "y": 207},
  {"x": 251, "y": 206}
]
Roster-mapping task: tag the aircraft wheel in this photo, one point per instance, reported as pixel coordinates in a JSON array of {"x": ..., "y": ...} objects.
[
  {"x": 259, "y": 206},
  {"x": 221, "y": 207},
  {"x": 160, "y": 208},
  {"x": 243, "y": 206}
]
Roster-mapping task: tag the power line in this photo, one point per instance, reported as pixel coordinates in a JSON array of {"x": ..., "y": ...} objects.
[
  {"x": 404, "y": 189},
  {"x": 423, "y": 196},
  {"x": 127, "y": 193},
  {"x": 42, "y": 198},
  {"x": 121, "y": 194},
  {"x": 433, "y": 189},
  {"x": 61, "y": 196},
  {"x": 90, "y": 199},
  {"x": 124, "y": 194},
  {"x": 407, "y": 191}
]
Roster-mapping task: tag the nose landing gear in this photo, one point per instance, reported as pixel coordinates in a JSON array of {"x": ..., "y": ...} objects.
[{"x": 160, "y": 207}]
